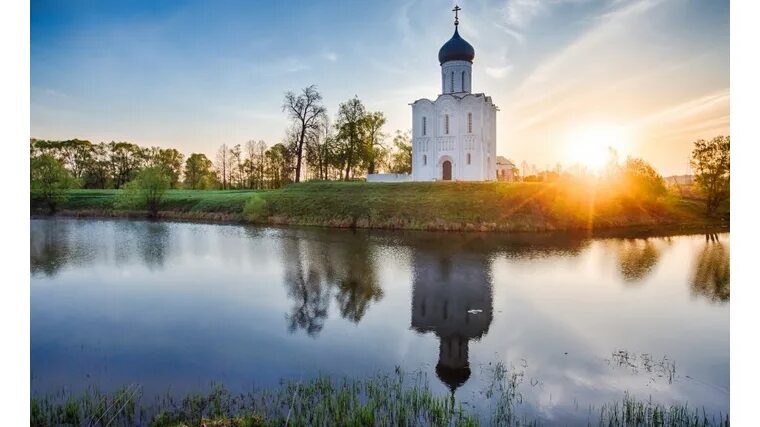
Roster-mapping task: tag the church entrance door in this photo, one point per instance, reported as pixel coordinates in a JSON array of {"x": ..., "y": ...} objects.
[{"x": 446, "y": 170}]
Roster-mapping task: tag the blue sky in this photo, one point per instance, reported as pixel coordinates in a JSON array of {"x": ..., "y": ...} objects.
[{"x": 646, "y": 76}]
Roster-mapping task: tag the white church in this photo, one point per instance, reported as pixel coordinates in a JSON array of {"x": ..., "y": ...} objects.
[{"x": 453, "y": 136}]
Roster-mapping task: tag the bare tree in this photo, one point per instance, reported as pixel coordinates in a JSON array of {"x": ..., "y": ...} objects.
[
  {"x": 223, "y": 165},
  {"x": 306, "y": 111}
]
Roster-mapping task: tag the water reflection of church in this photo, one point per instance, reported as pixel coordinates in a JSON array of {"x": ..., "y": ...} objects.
[{"x": 452, "y": 298}]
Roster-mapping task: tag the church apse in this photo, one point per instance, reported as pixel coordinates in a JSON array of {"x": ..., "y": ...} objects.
[{"x": 455, "y": 304}]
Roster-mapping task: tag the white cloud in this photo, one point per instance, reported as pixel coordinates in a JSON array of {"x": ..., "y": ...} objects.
[
  {"x": 519, "y": 13},
  {"x": 331, "y": 56},
  {"x": 498, "y": 72}
]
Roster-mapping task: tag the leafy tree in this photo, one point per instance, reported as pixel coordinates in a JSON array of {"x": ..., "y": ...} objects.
[
  {"x": 126, "y": 159},
  {"x": 146, "y": 190},
  {"x": 641, "y": 179},
  {"x": 171, "y": 160},
  {"x": 98, "y": 172},
  {"x": 306, "y": 111},
  {"x": 50, "y": 180},
  {"x": 711, "y": 161},
  {"x": 401, "y": 158},
  {"x": 280, "y": 166},
  {"x": 350, "y": 133},
  {"x": 197, "y": 168},
  {"x": 374, "y": 151}
]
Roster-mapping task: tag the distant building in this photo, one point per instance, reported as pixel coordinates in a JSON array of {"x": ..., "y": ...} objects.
[
  {"x": 505, "y": 170},
  {"x": 679, "y": 180}
]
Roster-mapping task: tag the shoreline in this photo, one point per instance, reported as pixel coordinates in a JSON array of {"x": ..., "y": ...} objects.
[{"x": 222, "y": 218}]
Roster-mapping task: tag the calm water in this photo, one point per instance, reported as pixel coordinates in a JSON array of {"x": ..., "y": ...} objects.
[{"x": 176, "y": 306}]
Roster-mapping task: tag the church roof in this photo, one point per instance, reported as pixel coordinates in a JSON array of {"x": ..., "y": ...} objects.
[
  {"x": 501, "y": 160},
  {"x": 456, "y": 49}
]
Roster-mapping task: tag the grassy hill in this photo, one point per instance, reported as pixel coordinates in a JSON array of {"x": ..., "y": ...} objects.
[{"x": 429, "y": 206}]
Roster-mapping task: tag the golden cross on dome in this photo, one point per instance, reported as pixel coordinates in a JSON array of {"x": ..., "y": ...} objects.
[{"x": 456, "y": 10}]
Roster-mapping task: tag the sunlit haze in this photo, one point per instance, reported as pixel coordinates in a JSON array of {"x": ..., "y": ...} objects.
[{"x": 571, "y": 77}]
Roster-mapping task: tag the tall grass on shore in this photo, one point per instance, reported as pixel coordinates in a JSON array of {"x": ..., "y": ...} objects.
[{"x": 396, "y": 399}]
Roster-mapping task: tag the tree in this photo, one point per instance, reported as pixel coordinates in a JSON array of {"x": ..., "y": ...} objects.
[
  {"x": 236, "y": 166},
  {"x": 98, "y": 172},
  {"x": 146, "y": 190},
  {"x": 126, "y": 159},
  {"x": 401, "y": 158},
  {"x": 711, "y": 161},
  {"x": 306, "y": 111},
  {"x": 171, "y": 160},
  {"x": 50, "y": 180},
  {"x": 374, "y": 151},
  {"x": 223, "y": 163},
  {"x": 350, "y": 133},
  {"x": 197, "y": 169},
  {"x": 279, "y": 165},
  {"x": 641, "y": 179}
]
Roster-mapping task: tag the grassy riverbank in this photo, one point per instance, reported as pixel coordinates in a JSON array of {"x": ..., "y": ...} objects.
[
  {"x": 382, "y": 400},
  {"x": 426, "y": 206}
]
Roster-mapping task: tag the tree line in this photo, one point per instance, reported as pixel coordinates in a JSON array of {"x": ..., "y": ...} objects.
[{"x": 313, "y": 148}]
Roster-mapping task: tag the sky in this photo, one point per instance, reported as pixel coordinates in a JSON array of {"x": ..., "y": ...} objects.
[{"x": 570, "y": 77}]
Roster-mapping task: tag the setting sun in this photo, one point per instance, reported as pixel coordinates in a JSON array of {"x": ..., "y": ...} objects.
[{"x": 590, "y": 145}]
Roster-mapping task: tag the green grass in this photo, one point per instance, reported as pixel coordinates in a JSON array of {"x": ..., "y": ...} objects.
[
  {"x": 430, "y": 206},
  {"x": 395, "y": 399}
]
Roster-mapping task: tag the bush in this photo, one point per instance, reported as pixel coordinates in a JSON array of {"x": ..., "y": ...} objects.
[
  {"x": 145, "y": 191},
  {"x": 256, "y": 209}
]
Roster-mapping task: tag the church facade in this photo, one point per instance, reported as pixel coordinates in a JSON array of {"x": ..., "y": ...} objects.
[{"x": 454, "y": 136}]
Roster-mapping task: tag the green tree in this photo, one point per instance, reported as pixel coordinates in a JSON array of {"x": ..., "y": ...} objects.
[
  {"x": 98, "y": 172},
  {"x": 374, "y": 150},
  {"x": 279, "y": 165},
  {"x": 401, "y": 158},
  {"x": 350, "y": 133},
  {"x": 126, "y": 159},
  {"x": 146, "y": 190},
  {"x": 171, "y": 160},
  {"x": 197, "y": 167},
  {"x": 641, "y": 179},
  {"x": 50, "y": 180},
  {"x": 711, "y": 161}
]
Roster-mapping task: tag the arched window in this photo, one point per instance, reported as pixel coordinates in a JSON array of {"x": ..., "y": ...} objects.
[
  {"x": 469, "y": 122},
  {"x": 462, "y": 81},
  {"x": 468, "y": 158},
  {"x": 424, "y": 126},
  {"x": 424, "y": 159},
  {"x": 452, "y": 81},
  {"x": 446, "y": 124}
]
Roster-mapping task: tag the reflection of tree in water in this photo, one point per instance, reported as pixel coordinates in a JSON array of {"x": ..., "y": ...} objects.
[
  {"x": 152, "y": 240},
  {"x": 311, "y": 298},
  {"x": 711, "y": 277},
  {"x": 51, "y": 247},
  {"x": 317, "y": 266},
  {"x": 357, "y": 284},
  {"x": 636, "y": 257}
]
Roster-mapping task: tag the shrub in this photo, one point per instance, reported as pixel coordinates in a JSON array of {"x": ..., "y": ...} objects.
[
  {"x": 145, "y": 191},
  {"x": 256, "y": 209}
]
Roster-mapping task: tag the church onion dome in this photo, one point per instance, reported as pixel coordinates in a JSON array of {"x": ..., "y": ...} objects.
[{"x": 456, "y": 49}]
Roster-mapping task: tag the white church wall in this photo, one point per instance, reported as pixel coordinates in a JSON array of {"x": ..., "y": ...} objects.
[{"x": 389, "y": 177}]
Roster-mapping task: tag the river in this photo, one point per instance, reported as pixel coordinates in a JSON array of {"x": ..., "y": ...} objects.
[{"x": 176, "y": 307}]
